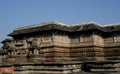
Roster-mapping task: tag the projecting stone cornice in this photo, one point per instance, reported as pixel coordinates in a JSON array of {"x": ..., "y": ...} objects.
[{"x": 64, "y": 27}]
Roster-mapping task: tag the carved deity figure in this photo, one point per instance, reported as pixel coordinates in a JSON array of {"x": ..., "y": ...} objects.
[{"x": 34, "y": 42}]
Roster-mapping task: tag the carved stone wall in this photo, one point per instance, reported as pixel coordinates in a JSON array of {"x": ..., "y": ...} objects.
[{"x": 69, "y": 50}]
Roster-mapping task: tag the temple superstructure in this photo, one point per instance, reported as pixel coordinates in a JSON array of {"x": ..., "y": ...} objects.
[{"x": 56, "y": 48}]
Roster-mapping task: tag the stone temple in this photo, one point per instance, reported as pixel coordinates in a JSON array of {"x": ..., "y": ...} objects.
[{"x": 56, "y": 48}]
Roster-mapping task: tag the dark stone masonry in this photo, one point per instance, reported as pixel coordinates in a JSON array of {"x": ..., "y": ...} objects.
[{"x": 56, "y": 48}]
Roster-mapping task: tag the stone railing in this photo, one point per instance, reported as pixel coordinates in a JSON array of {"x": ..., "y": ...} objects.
[
  {"x": 81, "y": 44},
  {"x": 111, "y": 44}
]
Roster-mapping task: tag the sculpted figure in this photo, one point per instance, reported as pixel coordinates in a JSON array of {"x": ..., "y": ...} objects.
[{"x": 34, "y": 43}]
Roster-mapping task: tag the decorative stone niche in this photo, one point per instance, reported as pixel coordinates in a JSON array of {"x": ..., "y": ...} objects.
[{"x": 19, "y": 43}]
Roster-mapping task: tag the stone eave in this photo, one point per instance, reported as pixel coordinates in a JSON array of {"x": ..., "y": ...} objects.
[{"x": 63, "y": 27}]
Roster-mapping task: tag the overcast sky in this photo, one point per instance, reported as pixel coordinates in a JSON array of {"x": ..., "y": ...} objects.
[{"x": 18, "y": 13}]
